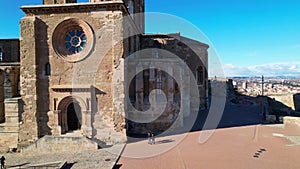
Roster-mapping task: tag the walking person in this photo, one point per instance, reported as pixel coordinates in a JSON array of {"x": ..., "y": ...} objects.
[
  {"x": 152, "y": 138},
  {"x": 149, "y": 137},
  {"x": 2, "y": 162}
]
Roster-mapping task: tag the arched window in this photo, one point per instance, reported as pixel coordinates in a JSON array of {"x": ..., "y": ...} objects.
[
  {"x": 200, "y": 75},
  {"x": 47, "y": 69}
]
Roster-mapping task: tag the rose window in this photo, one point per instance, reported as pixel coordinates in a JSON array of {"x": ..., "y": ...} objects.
[{"x": 75, "y": 41}]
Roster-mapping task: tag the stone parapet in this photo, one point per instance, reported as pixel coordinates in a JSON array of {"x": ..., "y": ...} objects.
[{"x": 287, "y": 120}]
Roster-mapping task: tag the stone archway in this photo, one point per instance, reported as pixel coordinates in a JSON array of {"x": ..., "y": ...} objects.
[
  {"x": 70, "y": 113},
  {"x": 73, "y": 115}
]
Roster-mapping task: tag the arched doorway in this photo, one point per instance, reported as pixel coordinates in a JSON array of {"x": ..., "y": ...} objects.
[
  {"x": 73, "y": 116},
  {"x": 70, "y": 113}
]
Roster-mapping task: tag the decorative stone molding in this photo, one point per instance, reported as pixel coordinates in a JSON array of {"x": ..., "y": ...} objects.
[{"x": 73, "y": 40}]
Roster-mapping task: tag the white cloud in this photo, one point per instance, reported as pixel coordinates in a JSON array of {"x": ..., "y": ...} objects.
[{"x": 272, "y": 69}]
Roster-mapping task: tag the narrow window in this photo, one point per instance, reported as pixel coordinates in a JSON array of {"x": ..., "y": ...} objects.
[
  {"x": 47, "y": 69},
  {"x": 200, "y": 75},
  {"x": 1, "y": 55}
]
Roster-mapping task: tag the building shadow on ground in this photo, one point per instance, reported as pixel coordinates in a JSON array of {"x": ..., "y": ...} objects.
[{"x": 240, "y": 110}]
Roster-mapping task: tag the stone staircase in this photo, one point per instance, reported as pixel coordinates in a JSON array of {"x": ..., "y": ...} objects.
[
  {"x": 76, "y": 133},
  {"x": 9, "y": 131}
]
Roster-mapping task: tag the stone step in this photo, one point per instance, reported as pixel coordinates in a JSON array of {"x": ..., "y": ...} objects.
[
  {"x": 108, "y": 125},
  {"x": 9, "y": 124},
  {"x": 12, "y": 107},
  {"x": 9, "y": 129},
  {"x": 76, "y": 133},
  {"x": 11, "y": 112},
  {"x": 4, "y": 149},
  {"x": 12, "y": 119},
  {"x": 52, "y": 144}
]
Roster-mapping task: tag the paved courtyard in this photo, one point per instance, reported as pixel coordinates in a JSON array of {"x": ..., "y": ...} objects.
[
  {"x": 247, "y": 147},
  {"x": 243, "y": 141}
]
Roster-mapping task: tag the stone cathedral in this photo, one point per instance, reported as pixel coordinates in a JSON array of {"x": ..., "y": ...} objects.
[{"x": 81, "y": 69}]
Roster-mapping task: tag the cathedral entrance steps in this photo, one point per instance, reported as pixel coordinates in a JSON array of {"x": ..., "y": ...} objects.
[
  {"x": 52, "y": 144},
  {"x": 76, "y": 133},
  {"x": 9, "y": 128}
]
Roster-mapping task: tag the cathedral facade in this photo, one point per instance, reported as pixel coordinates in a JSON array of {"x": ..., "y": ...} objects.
[{"x": 82, "y": 67}]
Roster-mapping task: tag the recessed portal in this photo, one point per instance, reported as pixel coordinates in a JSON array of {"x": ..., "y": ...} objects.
[{"x": 73, "y": 116}]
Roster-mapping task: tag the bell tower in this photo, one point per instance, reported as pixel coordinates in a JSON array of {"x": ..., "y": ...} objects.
[{"x": 58, "y": 1}]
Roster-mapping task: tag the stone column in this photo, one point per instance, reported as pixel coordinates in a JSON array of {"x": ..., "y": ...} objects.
[
  {"x": 87, "y": 123},
  {"x": 2, "y": 111},
  {"x": 152, "y": 72},
  {"x": 139, "y": 87},
  {"x": 185, "y": 92},
  {"x": 170, "y": 83},
  {"x": 159, "y": 81},
  {"x": 7, "y": 84},
  {"x": 56, "y": 129},
  {"x": 14, "y": 82}
]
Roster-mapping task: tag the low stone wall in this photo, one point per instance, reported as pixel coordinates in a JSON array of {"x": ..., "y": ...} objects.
[
  {"x": 52, "y": 144},
  {"x": 296, "y": 98},
  {"x": 286, "y": 99},
  {"x": 287, "y": 120}
]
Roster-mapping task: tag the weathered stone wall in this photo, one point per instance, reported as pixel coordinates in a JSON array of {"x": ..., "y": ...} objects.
[
  {"x": 29, "y": 78},
  {"x": 10, "y": 50},
  {"x": 179, "y": 57},
  {"x": 97, "y": 70},
  {"x": 286, "y": 99},
  {"x": 2, "y": 110},
  {"x": 42, "y": 87},
  {"x": 193, "y": 53}
]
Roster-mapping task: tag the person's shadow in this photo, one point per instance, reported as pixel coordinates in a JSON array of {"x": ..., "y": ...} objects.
[{"x": 164, "y": 141}]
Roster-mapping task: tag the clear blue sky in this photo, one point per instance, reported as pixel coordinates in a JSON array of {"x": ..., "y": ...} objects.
[{"x": 244, "y": 32}]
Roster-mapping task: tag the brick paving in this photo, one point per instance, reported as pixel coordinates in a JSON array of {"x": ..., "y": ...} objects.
[{"x": 246, "y": 147}]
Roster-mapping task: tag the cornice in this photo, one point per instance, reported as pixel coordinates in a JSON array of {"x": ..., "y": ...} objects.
[{"x": 72, "y": 7}]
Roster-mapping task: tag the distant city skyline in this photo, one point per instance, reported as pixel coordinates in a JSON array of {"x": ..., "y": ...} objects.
[{"x": 251, "y": 37}]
